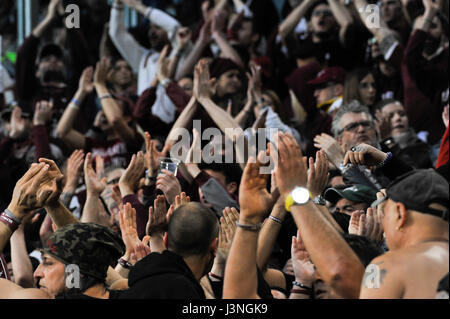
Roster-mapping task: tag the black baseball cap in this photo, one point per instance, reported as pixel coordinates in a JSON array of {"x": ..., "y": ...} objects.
[{"x": 420, "y": 188}]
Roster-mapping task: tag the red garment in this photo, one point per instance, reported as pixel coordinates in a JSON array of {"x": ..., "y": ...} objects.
[
  {"x": 115, "y": 152},
  {"x": 443, "y": 151}
]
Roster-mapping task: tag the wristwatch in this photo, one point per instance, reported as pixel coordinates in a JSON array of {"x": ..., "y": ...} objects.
[
  {"x": 298, "y": 196},
  {"x": 319, "y": 200}
]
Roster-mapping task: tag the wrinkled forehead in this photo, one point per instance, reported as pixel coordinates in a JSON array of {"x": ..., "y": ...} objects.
[{"x": 351, "y": 117}]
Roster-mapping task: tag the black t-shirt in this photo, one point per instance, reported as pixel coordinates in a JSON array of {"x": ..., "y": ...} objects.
[{"x": 113, "y": 294}]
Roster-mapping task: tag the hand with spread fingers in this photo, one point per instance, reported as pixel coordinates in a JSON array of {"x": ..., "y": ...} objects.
[
  {"x": 318, "y": 174},
  {"x": 365, "y": 154},
  {"x": 129, "y": 181}
]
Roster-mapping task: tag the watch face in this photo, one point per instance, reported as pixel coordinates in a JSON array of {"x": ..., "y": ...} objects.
[{"x": 300, "y": 195}]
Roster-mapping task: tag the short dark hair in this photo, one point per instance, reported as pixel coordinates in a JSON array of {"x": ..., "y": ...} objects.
[
  {"x": 232, "y": 171},
  {"x": 192, "y": 229},
  {"x": 365, "y": 249},
  {"x": 385, "y": 102}
]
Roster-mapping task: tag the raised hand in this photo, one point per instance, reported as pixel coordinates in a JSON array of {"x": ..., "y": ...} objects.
[
  {"x": 42, "y": 113},
  {"x": 101, "y": 71},
  {"x": 318, "y": 174},
  {"x": 301, "y": 262},
  {"x": 353, "y": 226},
  {"x": 94, "y": 184},
  {"x": 128, "y": 228},
  {"x": 162, "y": 66},
  {"x": 382, "y": 125},
  {"x": 183, "y": 37},
  {"x": 365, "y": 154},
  {"x": 226, "y": 232},
  {"x": 291, "y": 170},
  {"x": 169, "y": 184},
  {"x": 181, "y": 199},
  {"x": 369, "y": 225},
  {"x": 52, "y": 182},
  {"x": 73, "y": 170},
  {"x": 254, "y": 199},
  {"x": 30, "y": 192},
  {"x": 202, "y": 81},
  {"x": 332, "y": 148},
  {"x": 17, "y": 124},
  {"x": 157, "y": 217},
  {"x": 85, "y": 85},
  {"x": 152, "y": 154},
  {"x": 129, "y": 181}
]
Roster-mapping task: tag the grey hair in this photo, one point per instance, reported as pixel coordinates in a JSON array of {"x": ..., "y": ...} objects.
[{"x": 353, "y": 107}]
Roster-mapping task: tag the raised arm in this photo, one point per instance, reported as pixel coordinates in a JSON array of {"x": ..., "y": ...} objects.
[
  {"x": 292, "y": 20},
  {"x": 381, "y": 32},
  {"x": 232, "y": 130},
  {"x": 128, "y": 47},
  {"x": 110, "y": 107},
  {"x": 254, "y": 200},
  {"x": 338, "y": 265},
  {"x": 21, "y": 263},
  {"x": 65, "y": 129},
  {"x": 342, "y": 16},
  {"x": 200, "y": 45},
  {"x": 226, "y": 50}
]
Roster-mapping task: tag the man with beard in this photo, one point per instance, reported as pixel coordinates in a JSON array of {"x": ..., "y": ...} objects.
[
  {"x": 425, "y": 72},
  {"x": 191, "y": 242},
  {"x": 162, "y": 32},
  {"x": 41, "y": 75}
]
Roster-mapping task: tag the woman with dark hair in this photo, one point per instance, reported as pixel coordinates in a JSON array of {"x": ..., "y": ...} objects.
[{"x": 361, "y": 85}]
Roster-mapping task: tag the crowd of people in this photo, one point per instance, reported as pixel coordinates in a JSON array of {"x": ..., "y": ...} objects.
[{"x": 350, "y": 98}]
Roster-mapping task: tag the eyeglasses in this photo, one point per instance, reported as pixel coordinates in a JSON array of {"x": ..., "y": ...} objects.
[{"x": 352, "y": 127}]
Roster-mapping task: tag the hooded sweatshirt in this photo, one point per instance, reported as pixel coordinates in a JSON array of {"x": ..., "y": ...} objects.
[{"x": 162, "y": 276}]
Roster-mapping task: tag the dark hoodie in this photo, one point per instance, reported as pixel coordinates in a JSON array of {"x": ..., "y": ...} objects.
[{"x": 162, "y": 276}]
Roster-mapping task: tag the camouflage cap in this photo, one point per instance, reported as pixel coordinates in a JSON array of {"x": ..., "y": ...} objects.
[{"x": 90, "y": 246}]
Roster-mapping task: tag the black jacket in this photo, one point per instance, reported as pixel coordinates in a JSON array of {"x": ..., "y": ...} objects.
[{"x": 162, "y": 276}]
